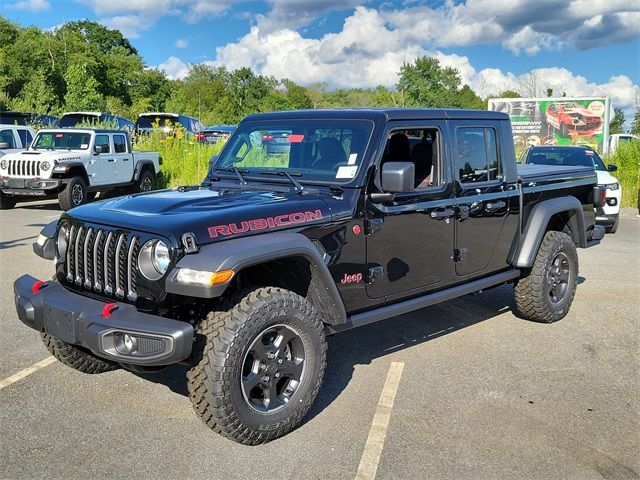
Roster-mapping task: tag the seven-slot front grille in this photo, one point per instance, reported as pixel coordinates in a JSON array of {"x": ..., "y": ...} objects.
[
  {"x": 102, "y": 260},
  {"x": 24, "y": 168}
]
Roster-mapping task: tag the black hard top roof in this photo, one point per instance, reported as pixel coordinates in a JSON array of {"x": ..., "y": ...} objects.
[{"x": 383, "y": 114}]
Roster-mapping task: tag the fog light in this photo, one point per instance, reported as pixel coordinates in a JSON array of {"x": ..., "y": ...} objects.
[
  {"x": 125, "y": 343},
  {"x": 612, "y": 202}
]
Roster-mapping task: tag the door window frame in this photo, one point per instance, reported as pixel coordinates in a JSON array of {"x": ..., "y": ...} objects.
[{"x": 500, "y": 178}]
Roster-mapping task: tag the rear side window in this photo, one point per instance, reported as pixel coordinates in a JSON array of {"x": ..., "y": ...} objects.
[
  {"x": 119, "y": 144},
  {"x": 6, "y": 136},
  {"x": 25, "y": 137},
  {"x": 103, "y": 141},
  {"x": 477, "y": 155}
]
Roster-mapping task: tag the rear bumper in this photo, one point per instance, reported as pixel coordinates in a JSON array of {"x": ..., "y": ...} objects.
[
  {"x": 30, "y": 186},
  {"x": 81, "y": 321},
  {"x": 606, "y": 220},
  {"x": 594, "y": 235}
]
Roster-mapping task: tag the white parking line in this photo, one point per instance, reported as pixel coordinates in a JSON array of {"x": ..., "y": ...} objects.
[
  {"x": 378, "y": 432},
  {"x": 26, "y": 372}
]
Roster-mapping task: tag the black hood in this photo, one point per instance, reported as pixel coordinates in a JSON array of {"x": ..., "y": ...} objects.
[{"x": 210, "y": 214}]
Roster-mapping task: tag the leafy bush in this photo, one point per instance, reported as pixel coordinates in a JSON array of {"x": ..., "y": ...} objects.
[
  {"x": 627, "y": 159},
  {"x": 185, "y": 161}
]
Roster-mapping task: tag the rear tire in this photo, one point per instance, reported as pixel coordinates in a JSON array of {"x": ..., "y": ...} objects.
[
  {"x": 146, "y": 182},
  {"x": 546, "y": 291},
  {"x": 74, "y": 194},
  {"x": 614, "y": 228},
  {"x": 74, "y": 357},
  {"x": 258, "y": 366},
  {"x": 7, "y": 202}
]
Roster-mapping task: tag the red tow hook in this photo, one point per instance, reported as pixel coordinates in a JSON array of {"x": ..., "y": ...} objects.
[
  {"x": 37, "y": 285},
  {"x": 108, "y": 308}
]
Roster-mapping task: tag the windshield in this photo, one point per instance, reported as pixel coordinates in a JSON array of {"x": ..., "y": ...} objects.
[
  {"x": 158, "y": 121},
  {"x": 63, "y": 140},
  {"x": 565, "y": 157},
  {"x": 319, "y": 150}
]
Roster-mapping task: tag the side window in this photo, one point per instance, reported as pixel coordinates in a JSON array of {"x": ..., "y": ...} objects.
[
  {"x": 6, "y": 136},
  {"x": 119, "y": 144},
  {"x": 103, "y": 141},
  {"x": 420, "y": 147},
  {"x": 477, "y": 155},
  {"x": 25, "y": 137}
]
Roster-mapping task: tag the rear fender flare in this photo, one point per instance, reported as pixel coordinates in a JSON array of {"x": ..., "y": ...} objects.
[
  {"x": 539, "y": 220},
  {"x": 140, "y": 166}
]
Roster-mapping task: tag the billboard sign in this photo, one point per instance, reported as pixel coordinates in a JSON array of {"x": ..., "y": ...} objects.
[{"x": 556, "y": 121}]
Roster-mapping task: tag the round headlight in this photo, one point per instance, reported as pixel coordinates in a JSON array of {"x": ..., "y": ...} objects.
[
  {"x": 61, "y": 243},
  {"x": 45, "y": 166},
  {"x": 153, "y": 259},
  {"x": 4, "y": 164}
]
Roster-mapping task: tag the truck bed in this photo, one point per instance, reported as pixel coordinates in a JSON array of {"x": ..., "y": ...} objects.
[{"x": 532, "y": 173}]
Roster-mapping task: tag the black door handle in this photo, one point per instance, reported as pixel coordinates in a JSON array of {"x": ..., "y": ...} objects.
[
  {"x": 495, "y": 205},
  {"x": 445, "y": 213},
  {"x": 111, "y": 160}
]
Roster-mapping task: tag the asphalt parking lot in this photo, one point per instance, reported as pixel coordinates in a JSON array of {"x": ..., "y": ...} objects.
[{"x": 482, "y": 394}]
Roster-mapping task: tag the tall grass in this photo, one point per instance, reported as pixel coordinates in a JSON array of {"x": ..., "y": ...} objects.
[
  {"x": 627, "y": 159},
  {"x": 185, "y": 161}
]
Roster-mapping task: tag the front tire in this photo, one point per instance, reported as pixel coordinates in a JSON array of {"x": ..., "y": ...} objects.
[
  {"x": 73, "y": 195},
  {"x": 74, "y": 357},
  {"x": 259, "y": 366},
  {"x": 546, "y": 291},
  {"x": 7, "y": 202}
]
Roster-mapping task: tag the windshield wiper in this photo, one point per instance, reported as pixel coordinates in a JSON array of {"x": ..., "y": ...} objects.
[
  {"x": 298, "y": 186},
  {"x": 233, "y": 170}
]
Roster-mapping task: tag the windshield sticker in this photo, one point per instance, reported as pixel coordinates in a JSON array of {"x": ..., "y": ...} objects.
[
  {"x": 59, "y": 135},
  {"x": 84, "y": 145},
  {"x": 348, "y": 171},
  {"x": 294, "y": 138},
  {"x": 589, "y": 152},
  {"x": 353, "y": 158},
  {"x": 264, "y": 223}
]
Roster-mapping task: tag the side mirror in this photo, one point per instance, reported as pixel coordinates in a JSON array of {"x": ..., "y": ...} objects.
[
  {"x": 4, "y": 145},
  {"x": 612, "y": 168},
  {"x": 398, "y": 177},
  {"x": 97, "y": 149}
]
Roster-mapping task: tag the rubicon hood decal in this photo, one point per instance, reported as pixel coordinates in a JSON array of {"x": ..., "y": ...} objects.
[{"x": 265, "y": 223}]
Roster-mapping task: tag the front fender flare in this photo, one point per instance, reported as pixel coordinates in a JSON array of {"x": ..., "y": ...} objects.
[{"x": 245, "y": 252}]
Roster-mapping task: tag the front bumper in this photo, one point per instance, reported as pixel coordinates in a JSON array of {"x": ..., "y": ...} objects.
[
  {"x": 30, "y": 186},
  {"x": 84, "y": 322}
]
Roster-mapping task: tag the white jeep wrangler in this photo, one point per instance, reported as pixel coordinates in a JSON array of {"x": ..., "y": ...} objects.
[{"x": 75, "y": 164}]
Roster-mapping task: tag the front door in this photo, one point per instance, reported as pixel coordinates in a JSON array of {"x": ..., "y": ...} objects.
[
  {"x": 485, "y": 223},
  {"x": 102, "y": 168},
  {"x": 410, "y": 240}
]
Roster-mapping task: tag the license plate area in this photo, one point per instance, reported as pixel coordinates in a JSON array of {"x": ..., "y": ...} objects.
[
  {"x": 60, "y": 324},
  {"x": 16, "y": 183}
]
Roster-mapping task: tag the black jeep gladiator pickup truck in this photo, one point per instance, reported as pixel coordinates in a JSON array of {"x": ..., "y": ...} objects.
[{"x": 362, "y": 215}]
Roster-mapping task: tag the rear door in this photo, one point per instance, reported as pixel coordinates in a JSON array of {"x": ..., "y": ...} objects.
[
  {"x": 485, "y": 219},
  {"x": 410, "y": 240},
  {"x": 124, "y": 159}
]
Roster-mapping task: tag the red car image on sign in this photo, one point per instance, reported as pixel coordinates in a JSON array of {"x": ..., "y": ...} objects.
[{"x": 571, "y": 118}]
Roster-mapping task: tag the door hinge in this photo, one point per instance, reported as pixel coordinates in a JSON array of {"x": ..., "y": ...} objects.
[
  {"x": 375, "y": 273},
  {"x": 374, "y": 225},
  {"x": 458, "y": 253}
]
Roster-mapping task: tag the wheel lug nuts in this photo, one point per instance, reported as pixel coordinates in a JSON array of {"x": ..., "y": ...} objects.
[
  {"x": 277, "y": 375},
  {"x": 280, "y": 361},
  {"x": 263, "y": 366},
  {"x": 266, "y": 378}
]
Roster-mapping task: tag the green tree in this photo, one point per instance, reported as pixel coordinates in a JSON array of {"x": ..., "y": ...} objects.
[
  {"x": 617, "y": 123},
  {"x": 36, "y": 96},
  {"x": 509, "y": 94},
  {"x": 426, "y": 84},
  {"x": 82, "y": 89},
  {"x": 635, "y": 125}
]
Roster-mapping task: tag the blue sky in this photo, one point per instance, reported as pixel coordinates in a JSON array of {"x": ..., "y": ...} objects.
[{"x": 578, "y": 47}]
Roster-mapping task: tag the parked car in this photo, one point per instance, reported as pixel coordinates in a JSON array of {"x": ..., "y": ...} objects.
[
  {"x": 14, "y": 138},
  {"x": 216, "y": 133},
  {"x": 617, "y": 139},
  {"x": 243, "y": 277},
  {"x": 72, "y": 119},
  {"x": 28, "y": 119},
  {"x": 608, "y": 214},
  {"x": 75, "y": 164},
  {"x": 570, "y": 117},
  {"x": 276, "y": 142},
  {"x": 166, "y": 121}
]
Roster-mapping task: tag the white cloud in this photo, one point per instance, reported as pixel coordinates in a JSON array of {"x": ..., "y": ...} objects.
[
  {"x": 131, "y": 26},
  {"x": 182, "y": 43},
  {"x": 174, "y": 68},
  {"x": 32, "y": 5}
]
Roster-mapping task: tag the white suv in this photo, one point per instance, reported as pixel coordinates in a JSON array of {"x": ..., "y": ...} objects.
[
  {"x": 608, "y": 215},
  {"x": 75, "y": 164},
  {"x": 14, "y": 138}
]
